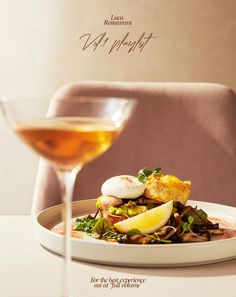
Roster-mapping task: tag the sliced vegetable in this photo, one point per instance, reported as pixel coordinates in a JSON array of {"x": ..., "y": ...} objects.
[{"x": 199, "y": 216}]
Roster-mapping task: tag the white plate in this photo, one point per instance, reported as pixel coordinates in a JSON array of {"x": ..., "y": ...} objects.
[{"x": 168, "y": 255}]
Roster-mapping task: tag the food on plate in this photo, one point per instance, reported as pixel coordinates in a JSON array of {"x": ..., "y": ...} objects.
[
  {"x": 166, "y": 187},
  {"x": 150, "y": 208},
  {"x": 123, "y": 186},
  {"x": 148, "y": 221}
]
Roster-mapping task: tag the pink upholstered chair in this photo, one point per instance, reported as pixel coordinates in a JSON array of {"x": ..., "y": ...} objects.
[{"x": 188, "y": 129}]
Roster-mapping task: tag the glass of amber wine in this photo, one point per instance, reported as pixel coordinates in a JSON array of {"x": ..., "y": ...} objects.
[{"x": 68, "y": 133}]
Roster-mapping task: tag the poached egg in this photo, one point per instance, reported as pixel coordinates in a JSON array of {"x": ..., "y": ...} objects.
[{"x": 123, "y": 186}]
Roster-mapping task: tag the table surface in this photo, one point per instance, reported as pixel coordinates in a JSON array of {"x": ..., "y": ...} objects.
[{"x": 27, "y": 269}]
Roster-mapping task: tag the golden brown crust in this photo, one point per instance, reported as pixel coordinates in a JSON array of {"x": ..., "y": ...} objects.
[{"x": 167, "y": 187}]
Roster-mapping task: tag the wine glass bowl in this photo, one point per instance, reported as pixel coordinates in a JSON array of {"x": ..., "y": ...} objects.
[
  {"x": 73, "y": 131},
  {"x": 68, "y": 142},
  {"x": 68, "y": 133}
]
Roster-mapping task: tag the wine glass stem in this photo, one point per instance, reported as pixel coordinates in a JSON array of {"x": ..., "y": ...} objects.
[{"x": 66, "y": 181}]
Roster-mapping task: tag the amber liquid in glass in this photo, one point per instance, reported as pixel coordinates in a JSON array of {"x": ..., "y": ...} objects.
[{"x": 68, "y": 142}]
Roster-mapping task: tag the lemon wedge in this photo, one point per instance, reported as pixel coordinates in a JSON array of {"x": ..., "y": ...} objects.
[{"x": 149, "y": 221}]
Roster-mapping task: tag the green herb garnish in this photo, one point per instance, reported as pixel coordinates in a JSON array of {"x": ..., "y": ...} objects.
[
  {"x": 111, "y": 235},
  {"x": 144, "y": 173},
  {"x": 85, "y": 224},
  {"x": 199, "y": 216},
  {"x": 157, "y": 238},
  {"x": 133, "y": 232},
  {"x": 101, "y": 226},
  {"x": 187, "y": 225}
]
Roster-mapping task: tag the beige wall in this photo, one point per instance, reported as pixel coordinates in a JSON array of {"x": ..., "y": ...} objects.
[{"x": 40, "y": 51}]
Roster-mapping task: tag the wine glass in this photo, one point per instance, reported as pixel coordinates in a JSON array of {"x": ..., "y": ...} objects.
[{"x": 69, "y": 133}]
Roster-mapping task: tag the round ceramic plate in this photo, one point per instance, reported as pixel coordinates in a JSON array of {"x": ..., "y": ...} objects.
[{"x": 168, "y": 255}]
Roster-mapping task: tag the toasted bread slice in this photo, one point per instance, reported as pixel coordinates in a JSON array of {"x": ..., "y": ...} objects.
[{"x": 167, "y": 187}]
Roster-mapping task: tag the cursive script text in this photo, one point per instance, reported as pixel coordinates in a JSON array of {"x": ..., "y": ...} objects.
[{"x": 103, "y": 40}]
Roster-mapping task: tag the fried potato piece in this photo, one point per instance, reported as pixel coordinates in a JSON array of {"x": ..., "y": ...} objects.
[{"x": 167, "y": 187}]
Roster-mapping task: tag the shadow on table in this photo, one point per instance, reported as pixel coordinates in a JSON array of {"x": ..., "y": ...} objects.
[{"x": 209, "y": 270}]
